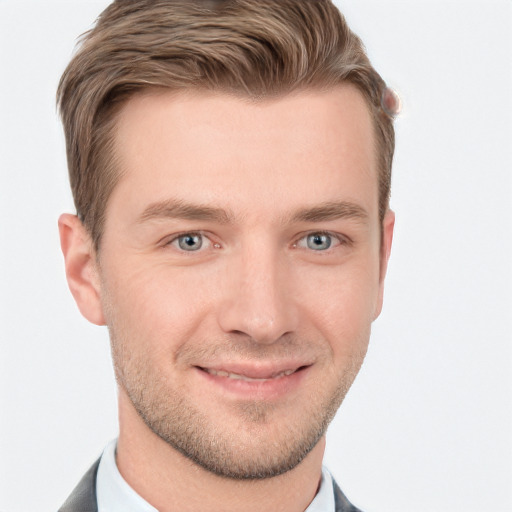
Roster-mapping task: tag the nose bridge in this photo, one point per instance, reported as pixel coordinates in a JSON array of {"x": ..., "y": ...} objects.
[{"x": 259, "y": 302}]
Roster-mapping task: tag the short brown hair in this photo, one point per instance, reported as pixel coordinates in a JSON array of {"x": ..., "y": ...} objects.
[{"x": 259, "y": 49}]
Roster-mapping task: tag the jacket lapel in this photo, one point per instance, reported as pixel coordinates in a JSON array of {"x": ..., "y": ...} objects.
[
  {"x": 341, "y": 502},
  {"x": 83, "y": 498}
]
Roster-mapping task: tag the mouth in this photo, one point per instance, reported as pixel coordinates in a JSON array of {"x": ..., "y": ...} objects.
[
  {"x": 252, "y": 381},
  {"x": 248, "y": 375}
]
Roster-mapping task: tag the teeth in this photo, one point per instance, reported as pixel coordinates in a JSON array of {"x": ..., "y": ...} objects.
[{"x": 236, "y": 376}]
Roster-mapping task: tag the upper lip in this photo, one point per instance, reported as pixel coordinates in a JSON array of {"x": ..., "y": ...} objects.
[{"x": 256, "y": 371}]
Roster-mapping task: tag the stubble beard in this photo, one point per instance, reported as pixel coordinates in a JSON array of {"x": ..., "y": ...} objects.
[
  {"x": 252, "y": 448},
  {"x": 234, "y": 453}
]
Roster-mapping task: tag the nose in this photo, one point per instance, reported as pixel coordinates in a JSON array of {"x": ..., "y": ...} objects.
[{"x": 258, "y": 298}]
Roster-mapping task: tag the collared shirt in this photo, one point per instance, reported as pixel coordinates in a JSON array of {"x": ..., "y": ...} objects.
[{"x": 115, "y": 495}]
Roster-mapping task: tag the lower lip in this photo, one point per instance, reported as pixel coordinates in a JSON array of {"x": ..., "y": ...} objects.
[{"x": 258, "y": 389}]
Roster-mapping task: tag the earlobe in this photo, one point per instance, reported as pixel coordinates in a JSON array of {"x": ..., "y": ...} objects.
[
  {"x": 388, "y": 226},
  {"x": 81, "y": 271}
]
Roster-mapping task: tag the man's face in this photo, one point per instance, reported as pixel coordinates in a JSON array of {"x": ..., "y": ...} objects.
[{"x": 240, "y": 270}]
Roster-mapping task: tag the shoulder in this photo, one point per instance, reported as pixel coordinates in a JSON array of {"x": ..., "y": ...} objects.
[
  {"x": 83, "y": 497},
  {"x": 341, "y": 501}
]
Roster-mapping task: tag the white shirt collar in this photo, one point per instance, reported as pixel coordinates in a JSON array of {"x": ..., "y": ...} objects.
[
  {"x": 112, "y": 491},
  {"x": 324, "y": 499},
  {"x": 115, "y": 495}
]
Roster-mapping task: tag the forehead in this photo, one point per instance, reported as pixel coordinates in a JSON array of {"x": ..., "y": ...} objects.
[{"x": 212, "y": 148}]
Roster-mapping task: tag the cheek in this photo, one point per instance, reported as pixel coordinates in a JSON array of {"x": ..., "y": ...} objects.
[
  {"x": 155, "y": 306},
  {"x": 341, "y": 302}
]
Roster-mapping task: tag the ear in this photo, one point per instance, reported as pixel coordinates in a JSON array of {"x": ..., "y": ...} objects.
[
  {"x": 388, "y": 225},
  {"x": 81, "y": 269}
]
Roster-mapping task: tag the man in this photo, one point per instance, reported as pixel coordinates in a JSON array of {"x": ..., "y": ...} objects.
[{"x": 230, "y": 163}]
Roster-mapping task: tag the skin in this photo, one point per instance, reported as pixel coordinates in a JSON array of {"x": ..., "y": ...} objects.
[{"x": 259, "y": 190}]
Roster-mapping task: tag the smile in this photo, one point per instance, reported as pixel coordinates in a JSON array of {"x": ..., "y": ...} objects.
[
  {"x": 237, "y": 376},
  {"x": 253, "y": 381}
]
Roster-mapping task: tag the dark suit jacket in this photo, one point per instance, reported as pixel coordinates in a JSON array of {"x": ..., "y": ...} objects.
[{"x": 83, "y": 498}]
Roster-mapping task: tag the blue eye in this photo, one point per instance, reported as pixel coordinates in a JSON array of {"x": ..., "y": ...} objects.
[
  {"x": 190, "y": 242},
  {"x": 319, "y": 241}
]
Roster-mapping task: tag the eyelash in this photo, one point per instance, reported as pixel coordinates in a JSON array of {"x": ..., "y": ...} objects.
[
  {"x": 340, "y": 239},
  {"x": 176, "y": 238}
]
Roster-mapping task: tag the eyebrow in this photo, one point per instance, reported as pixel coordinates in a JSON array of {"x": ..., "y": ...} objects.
[
  {"x": 179, "y": 209},
  {"x": 330, "y": 211}
]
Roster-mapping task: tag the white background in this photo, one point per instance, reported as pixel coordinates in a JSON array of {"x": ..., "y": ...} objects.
[{"x": 428, "y": 423}]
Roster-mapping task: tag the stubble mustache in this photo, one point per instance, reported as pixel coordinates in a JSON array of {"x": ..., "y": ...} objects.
[{"x": 242, "y": 348}]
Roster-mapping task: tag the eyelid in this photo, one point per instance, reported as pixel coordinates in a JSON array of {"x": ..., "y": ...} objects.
[
  {"x": 206, "y": 240},
  {"x": 337, "y": 237}
]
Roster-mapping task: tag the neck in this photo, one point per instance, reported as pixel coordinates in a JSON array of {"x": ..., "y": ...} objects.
[{"x": 169, "y": 481}]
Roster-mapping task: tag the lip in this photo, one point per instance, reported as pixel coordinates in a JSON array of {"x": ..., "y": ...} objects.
[
  {"x": 250, "y": 376},
  {"x": 254, "y": 381}
]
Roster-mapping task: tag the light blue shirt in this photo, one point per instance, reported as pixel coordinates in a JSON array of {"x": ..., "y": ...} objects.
[{"x": 115, "y": 495}]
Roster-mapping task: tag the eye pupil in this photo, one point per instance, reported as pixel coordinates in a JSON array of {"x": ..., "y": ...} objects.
[
  {"x": 319, "y": 241},
  {"x": 190, "y": 242}
]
